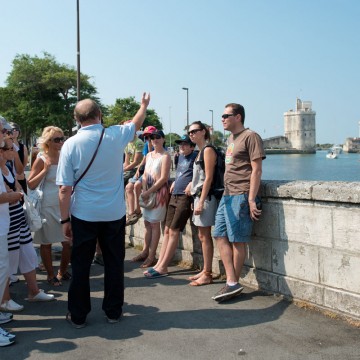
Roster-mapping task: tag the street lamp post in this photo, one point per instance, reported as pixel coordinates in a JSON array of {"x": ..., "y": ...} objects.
[
  {"x": 170, "y": 124},
  {"x": 78, "y": 49},
  {"x": 212, "y": 126},
  {"x": 187, "y": 107}
]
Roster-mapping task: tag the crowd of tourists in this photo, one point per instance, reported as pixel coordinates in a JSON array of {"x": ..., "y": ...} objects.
[{"x": 84, "y": 182}]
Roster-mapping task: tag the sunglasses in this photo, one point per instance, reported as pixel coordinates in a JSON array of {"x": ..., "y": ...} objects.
[
  {"x": 58, "y": 140},
  {"x": 7, "y": 148},
  {"x": 4, "y": 131},
  {"x": 153, "y": 137},
  {"x": 192, "y": 132},
  {"x": 225, "y": 116},
  {"x": 16, "y": 129}
]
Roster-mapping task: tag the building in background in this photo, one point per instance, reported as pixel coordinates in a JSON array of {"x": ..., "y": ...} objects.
[{"x": 299, "y": 129}]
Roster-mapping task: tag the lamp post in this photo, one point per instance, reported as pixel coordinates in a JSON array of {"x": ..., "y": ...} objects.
[
  {"x": 212, "y": 126},
  {"x": 170, "y": 124},
  {"x": 187, "y": 107},
  {"x": 78, "y": 49}
]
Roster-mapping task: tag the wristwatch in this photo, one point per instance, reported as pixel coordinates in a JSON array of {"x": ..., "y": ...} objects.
[{"x": 64, "y": 221}]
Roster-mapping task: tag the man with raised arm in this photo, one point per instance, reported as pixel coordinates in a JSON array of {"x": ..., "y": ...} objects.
[{"x": 96, "y": 209}]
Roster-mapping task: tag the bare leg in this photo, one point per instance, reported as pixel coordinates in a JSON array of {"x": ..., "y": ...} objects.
[
  {"x": 46, "y": 257},
  {"x": 169, "y": 251},
  {"x": 6, "y": 296},
  {"x": 31, "y": 283},
  {"x": 164, "y": 245},
  {"x": 226, "y": 254},
  {"x": 130, "y": 197},
  {"x": 65, "y": 257},
  {"x": 155, "y": 237},
  {"x": 137, "y": 187},
  {"x": 239, "y": 255},
  {"x": 207, "y": 246}
]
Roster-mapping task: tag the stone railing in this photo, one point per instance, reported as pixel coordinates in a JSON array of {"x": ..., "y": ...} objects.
[{"x": 306, "y": 245}]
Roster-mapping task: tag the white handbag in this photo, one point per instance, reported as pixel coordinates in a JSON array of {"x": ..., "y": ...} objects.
[{"x": 32, "y": 216}]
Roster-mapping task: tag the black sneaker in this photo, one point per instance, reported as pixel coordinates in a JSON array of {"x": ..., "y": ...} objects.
[
  {"x": 228, "y": 292},
  {"x": 76, "y": 326}
]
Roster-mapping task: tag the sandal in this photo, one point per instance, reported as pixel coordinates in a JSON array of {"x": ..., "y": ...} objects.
[
  {"x": 139, "y": 257},
  {"x": 148, "y": 263},
  {"x": 133, "y": 218},
  {"x": 206, "y": 274},
  {"x": 54, "y": 281},
  {"x": 66, "y": 276}
]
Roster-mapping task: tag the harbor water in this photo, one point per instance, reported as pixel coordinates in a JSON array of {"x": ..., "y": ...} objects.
[{"x": 312, "y": 167}]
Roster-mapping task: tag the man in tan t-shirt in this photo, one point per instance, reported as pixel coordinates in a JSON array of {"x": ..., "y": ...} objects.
[{"x": 239, "y": 206}]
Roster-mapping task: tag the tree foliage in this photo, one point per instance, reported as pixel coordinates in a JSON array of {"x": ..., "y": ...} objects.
[
  {"x": 125, "y": 109},
  {"x": 40, "y": 92}
]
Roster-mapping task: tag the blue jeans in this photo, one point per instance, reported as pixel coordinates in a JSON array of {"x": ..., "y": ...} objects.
[
  {"x": 233, "y": 219},
  {"x": 111, "y": 236}
]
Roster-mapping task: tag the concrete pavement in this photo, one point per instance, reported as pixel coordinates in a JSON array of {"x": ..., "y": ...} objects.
[{"x": 167, "y": 319}]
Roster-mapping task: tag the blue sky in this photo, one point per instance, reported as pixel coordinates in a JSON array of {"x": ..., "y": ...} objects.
[{"x": 260, "y": 53}]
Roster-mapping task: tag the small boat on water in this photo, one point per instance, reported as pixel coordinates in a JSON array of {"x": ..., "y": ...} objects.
[{"x": 332, "y": 155}]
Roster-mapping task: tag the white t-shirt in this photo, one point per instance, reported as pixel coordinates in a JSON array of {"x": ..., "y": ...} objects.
[
  {"x": 99, "y": 196},
  {"x": 4, "y": 211}
]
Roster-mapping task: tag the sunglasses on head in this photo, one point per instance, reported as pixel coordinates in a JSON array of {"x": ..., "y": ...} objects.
[
  {"x": 225, "y": 116},
  {"x": 192, "y": 132},
  {"x": 153, "y": 137},
  {"x": 58, "y": 140}
]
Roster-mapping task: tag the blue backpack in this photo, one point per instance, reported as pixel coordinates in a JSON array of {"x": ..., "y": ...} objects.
[{"x": 217, "y": 185}]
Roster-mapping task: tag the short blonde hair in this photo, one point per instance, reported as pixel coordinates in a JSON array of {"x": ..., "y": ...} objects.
[{"x": 46, "y": 136}]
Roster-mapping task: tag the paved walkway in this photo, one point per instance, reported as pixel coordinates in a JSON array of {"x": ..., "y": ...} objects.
[{"x": 167, "y": 319}]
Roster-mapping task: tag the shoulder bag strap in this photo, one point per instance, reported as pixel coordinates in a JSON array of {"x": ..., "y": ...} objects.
[{"x": 91, "y": 161}]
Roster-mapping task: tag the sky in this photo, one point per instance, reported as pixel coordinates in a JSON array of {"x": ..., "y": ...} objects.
[{"x": 260, "y": 53}]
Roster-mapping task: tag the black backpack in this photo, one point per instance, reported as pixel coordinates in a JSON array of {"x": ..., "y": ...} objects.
[{"x": 217, "y": 185}]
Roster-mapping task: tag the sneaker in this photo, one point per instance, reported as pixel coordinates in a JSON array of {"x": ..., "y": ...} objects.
[
  {"x": 112, "y": 321},
  {"x": 11, "y": 306},
  {"x": 6, "y": 338},
  {"x": 76, "y": 326},
  {"x": 98, "y": 259},
  {"x": 41, "y": 296},
  {"x": 5, "y": 317},
  {"x": 228, "y": 292}
]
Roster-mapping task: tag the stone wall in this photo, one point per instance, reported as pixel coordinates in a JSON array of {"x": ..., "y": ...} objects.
[{"x": 306, "y": 245}]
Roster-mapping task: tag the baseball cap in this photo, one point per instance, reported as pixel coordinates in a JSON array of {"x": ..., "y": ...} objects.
[
  {"x": 149, "y": 130},
  {"x": 4, "y": 123},
  {"x": 185, "y": 138},
  {"x": 158, "y": 132}
]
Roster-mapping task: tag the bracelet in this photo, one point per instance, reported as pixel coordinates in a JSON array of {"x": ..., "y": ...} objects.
[{"x": 65, "y": 221}]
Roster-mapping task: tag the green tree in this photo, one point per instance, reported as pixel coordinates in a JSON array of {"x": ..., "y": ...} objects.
[
  {"x": 174, "y": 137},
  {"x": 125, "y": 109},
  {"x": 40, "y": 92}
]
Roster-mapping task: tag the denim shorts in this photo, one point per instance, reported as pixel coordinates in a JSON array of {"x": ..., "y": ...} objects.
[{"x": 233, "y": 219}]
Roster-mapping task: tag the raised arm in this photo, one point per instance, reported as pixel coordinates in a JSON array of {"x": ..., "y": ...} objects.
[{"x": 141, "y": 114}]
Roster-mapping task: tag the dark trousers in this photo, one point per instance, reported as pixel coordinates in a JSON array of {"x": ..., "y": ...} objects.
[{"x": 111, "y": 236}]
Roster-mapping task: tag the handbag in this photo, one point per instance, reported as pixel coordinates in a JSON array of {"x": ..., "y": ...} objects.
[
  {"x": 32, "y": 216},
  {"x": 150, "y": 203},
  {"x": 35, "y": 196}
]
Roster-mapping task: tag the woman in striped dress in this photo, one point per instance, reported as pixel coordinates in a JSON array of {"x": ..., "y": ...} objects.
[{"x": 22, "y": 254}]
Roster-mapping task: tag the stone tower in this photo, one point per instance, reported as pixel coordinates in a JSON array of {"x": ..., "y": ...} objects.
[{"x": 299, "y": 127}]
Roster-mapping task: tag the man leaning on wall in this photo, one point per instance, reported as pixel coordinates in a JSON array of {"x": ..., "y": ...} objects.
[
  {"x": 240, "y": 205},
  {"x": 96, "y": 209}
]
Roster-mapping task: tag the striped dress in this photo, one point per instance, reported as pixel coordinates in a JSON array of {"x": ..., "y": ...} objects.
[{"x": 21, "y": 250}]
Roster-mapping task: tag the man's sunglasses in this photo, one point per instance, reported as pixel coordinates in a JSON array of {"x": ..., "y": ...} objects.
[
  {"x": 153, "y": 137},
  {"x": 225, "y": 116},
  {"x": 58, "y": 140},
  {"x": 192, "y": 132}
]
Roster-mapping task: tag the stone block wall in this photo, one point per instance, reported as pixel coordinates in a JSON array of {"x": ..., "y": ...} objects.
[{"x": 306, "y": 245}]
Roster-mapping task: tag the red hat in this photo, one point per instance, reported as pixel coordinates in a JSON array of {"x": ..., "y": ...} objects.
[{"x": 149, "y": 130}]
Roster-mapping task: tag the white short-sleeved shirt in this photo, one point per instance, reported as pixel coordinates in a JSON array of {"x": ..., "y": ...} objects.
[
  {"x": 4, "y": 211},
  {"x": 99, "y": 196}
]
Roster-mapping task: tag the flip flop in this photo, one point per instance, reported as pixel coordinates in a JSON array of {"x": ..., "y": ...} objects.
[
  {"x": 149, "y": 271},
  {"x": 155, "y": 274}
]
